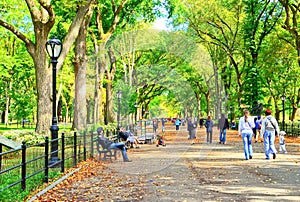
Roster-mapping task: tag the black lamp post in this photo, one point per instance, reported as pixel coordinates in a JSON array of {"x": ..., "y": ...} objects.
[
  {"x": 54, "y": 47},
  {"x": 283, "y": 111},
  {"x": 119, "y": 95}
]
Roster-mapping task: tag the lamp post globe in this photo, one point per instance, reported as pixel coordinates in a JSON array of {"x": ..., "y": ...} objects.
[
  {"x": 54, "y": 48},
  {"x": 283, "y": 111}
]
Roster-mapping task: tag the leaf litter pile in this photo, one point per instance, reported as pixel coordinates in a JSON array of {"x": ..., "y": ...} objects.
[{"x": 95, "y": 182}]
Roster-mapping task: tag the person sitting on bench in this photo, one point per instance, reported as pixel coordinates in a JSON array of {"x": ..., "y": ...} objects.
[
  {"x": 107, "y": 144},
  {"x": 132, "y": 140},
  {"x": 123, "y": 135}
]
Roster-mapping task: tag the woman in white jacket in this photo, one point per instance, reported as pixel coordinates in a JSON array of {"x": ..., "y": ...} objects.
[{"x": 246, "y": 124}]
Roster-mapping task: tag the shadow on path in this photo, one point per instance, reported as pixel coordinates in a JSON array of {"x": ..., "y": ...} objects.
[{"x": 184, "y": 172}]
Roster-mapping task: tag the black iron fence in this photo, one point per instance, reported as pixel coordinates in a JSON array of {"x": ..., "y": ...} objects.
[
  {"x": 25, "y": 168},
  {"x": 291, "y": 129}
]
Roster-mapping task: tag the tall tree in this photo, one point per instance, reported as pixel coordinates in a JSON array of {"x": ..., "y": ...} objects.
[
  {"x": 42, "y": 16},
  {"x": 111, "y": 16},
  {"x": 291, "y": 24},
  {"x": 261, "y": 19}
]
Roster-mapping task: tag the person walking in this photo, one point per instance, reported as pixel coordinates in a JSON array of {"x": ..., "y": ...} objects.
[
  {"x": 246, "y": 124},
  {"x": 223, "y": 125},
  {"x": 268, "y": 129},
  {"x": 192, "y": 128},
  {"x": 155, "y": 125},
  {"x": 163, "y": 123},
  {"x": 257, "y": 133},
  {"x": 177, "y": 124},
  {"x": 209, "y": 129}
]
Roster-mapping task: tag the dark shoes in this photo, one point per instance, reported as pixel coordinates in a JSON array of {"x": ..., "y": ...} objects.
[
  {"x": 250, "y": 157},
  {"x": 274, "y": 156},
  {"x": 127, "y": 160}
]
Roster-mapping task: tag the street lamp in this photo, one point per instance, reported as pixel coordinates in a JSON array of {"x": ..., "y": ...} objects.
[
  {"x": 283, "y": 112},
  {"x": 54, "y": 47},
  {"x": 119, "y": 95}
]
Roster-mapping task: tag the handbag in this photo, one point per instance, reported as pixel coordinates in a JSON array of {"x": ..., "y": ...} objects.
[{"x": 276, "y": 134}]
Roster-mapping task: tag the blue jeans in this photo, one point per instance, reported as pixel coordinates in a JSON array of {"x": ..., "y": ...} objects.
[
  {"x": 121, "y": 146},
  {"x": 247, "y": 140},
  {"x": 209, "y": 136},
  {"x": 269, "y": 138},
  {"x": 223, "y": 136}
]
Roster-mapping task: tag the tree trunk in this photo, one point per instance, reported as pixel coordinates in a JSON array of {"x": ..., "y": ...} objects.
[
  {"x": 7, "y": 103},
  {"x": 96, "y": 92},
  {"x": 218, "y": 91},
  {"x": 109, "y": 117},
  {"x": 199, "y": 107},
  {"x": 294, "y": 111},
  {"x": 110, "y": 73},
  {"x": 207, "y": 96},
  {"x": 100, "y": 67},
  {"x": 88, "y": 112},
  {"x": 43, "y": 83},
  {"x": 80, "y": 63}
]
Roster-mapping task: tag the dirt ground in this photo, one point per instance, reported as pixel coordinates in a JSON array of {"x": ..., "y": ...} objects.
[{"x": 185, "y": 172}]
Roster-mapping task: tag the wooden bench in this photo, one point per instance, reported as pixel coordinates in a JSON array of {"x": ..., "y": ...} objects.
[{"x": 105, "y": 153}]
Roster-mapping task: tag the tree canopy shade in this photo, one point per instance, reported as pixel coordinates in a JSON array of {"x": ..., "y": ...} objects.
[
  {"x": 217, "y": 54},
  {"x": 239, "y": 35}
]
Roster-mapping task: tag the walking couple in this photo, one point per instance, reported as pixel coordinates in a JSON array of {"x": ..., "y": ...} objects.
[{"x": 268, "y": 129}]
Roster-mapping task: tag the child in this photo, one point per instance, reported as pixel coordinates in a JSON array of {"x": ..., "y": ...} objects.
[
  {"x": 160, "y": 140},
  {"x": 282, "y": 142}
]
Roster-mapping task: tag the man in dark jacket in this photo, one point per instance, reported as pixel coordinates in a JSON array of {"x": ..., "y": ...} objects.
[
  {"x": 107, "y": 144},
  {"x": 223, "y": 126}
]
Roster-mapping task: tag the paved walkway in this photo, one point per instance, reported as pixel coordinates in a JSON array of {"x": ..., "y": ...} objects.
[{"x": 200, "y": 172}]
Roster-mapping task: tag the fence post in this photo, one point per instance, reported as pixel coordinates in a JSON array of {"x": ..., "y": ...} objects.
[
  {"x": 62, "y": 152},
  {"x": 46, "y": 159},
  {"x": 23, "y": 172},
  {"x": 92, "y": 144},
  {"x": 84, "y": 145},
  {"x": 75, "y": 149}
]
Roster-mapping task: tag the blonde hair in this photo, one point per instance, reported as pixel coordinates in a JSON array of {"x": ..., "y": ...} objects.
[{"x": 246, "y": 113}]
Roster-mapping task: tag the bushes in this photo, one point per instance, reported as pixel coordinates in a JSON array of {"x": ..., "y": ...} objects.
[{"x": 29, "y": 137}]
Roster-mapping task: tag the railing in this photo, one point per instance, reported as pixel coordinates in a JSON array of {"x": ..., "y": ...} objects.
[
  {"x": 291, "y": 129},
  {"x": 29, "y": 165}
]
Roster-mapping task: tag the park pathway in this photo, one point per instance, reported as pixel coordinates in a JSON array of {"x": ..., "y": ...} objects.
[{"x": 184, "y": 172}]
